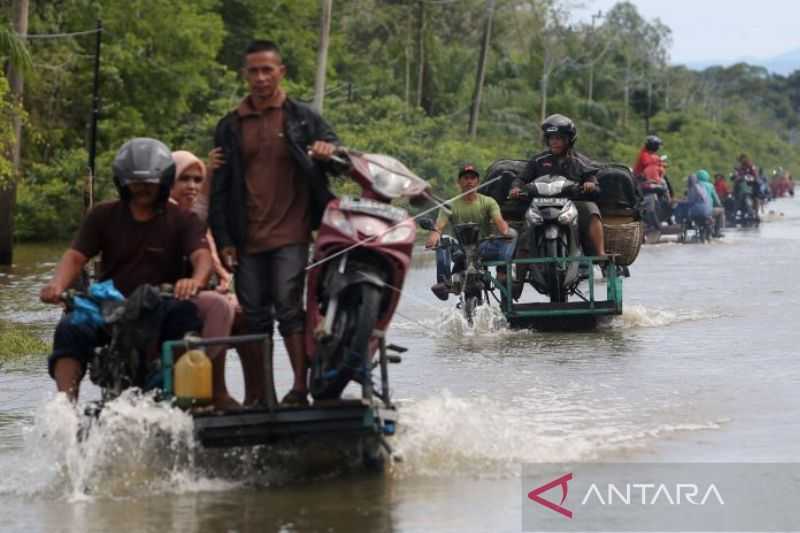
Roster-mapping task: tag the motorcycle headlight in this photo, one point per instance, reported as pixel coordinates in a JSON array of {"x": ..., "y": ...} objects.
[
  {"x": 337, "y": 219},
  {"x": 398, "y": 234},
  {"x": 387, "y": 183},
  {"x": 533, "y": 216},
  {"x": 568, "y": 214}
]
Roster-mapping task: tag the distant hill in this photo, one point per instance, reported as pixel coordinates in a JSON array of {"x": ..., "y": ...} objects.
[{"x": 783, "y": 64}]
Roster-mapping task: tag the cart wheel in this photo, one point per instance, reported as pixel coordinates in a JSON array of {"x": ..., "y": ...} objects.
[{"x": 373, "y": 456}]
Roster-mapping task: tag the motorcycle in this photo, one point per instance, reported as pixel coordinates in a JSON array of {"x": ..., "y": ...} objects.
[
  {"x": 745, "y": 214},
  {"x": 655, "y": 201},
  {"x": 701, "y": 227},
  {"x": 471, "y": 279},
  {"x": 120, "y": 364},
  {"x": 551, "y": 231},
  {"x": 361, "y": 257}
]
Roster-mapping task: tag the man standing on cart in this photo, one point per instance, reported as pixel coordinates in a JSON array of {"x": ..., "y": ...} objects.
[{"x": 268, "y": 193}]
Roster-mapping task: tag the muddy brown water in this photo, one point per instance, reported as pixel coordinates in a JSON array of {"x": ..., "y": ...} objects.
[{"x": 702, "y": 366}]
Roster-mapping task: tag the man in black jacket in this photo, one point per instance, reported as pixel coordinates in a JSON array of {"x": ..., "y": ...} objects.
[
  {"x": 267, "y": 196},
  {"x": 562, "y": 159}
]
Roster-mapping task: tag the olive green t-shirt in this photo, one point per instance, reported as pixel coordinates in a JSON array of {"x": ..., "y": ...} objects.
[{"x": 482, "y": 211}]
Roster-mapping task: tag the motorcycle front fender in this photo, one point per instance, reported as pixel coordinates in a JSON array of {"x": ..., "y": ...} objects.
[{"x": 342, "y": 280}]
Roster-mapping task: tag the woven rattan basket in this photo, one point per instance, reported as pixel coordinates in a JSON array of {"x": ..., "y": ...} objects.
[{"x": 623, "y": 238}]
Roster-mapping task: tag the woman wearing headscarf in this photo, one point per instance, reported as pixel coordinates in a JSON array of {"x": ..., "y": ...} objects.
[{"x": 218, "y": 309}]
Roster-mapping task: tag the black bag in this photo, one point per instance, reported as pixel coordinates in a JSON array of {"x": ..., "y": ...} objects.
[
  {"x": 507, "y": 170},
  {"x": 619, "y": 194}
]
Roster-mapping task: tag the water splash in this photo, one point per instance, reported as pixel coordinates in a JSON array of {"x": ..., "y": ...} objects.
[
  {"x": 639, "y": 316},
  {"x": 448, "y": 436},
  {"x": 136, "y": 446},
  {"x": 772, "y": 216},
  {"x": 488, "y": 319},
  {"x": 140, "y": 447}
]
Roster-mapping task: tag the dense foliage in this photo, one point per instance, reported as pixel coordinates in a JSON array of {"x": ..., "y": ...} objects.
[{"x": 169, "y": 70}]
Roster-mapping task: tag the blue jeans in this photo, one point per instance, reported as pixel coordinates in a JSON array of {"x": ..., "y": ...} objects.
[{"x": 452, "y": 254}]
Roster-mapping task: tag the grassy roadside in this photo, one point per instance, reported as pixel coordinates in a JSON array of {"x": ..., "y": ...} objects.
[{"x": 18, "y": 341}]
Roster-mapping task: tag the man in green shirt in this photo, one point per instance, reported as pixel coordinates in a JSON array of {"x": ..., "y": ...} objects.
[{"x": 470, "y": 208}]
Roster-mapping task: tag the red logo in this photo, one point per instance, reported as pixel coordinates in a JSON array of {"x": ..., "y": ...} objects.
[{"x": 562, "y": 481}]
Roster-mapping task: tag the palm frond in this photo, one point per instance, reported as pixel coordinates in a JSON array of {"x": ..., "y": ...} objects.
[{"x": 14, "y": 49}]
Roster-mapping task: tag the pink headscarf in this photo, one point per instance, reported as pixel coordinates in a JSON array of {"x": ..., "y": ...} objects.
[{"x": 185, "y": 160}]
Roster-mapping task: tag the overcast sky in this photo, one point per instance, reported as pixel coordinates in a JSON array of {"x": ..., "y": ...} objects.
[{"x": 724, "y": 30}]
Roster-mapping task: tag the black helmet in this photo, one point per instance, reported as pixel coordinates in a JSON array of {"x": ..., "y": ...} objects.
[
  {"x": 653, "y": 143},
  {"x": 560, "y": 125},
  {"x": 144, "y": 160}
]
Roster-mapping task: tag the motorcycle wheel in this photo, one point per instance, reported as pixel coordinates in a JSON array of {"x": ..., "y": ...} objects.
[
  {"x": 334, "y": 364},
  {"x": 555, "y": 286},
  {"x": 470, "y": 303}
]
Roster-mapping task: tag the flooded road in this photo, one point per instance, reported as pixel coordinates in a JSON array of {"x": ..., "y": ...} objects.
[{"x": 702, "y": 366}]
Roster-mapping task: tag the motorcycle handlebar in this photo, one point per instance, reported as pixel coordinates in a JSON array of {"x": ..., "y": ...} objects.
[
  {"x": 572, "y": 190},
  {"x": 339, "y": 156},
  {"x": 165, "y": 289}
]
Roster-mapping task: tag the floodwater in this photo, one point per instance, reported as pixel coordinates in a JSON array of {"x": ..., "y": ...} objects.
[{"x": 702, "y": 366}]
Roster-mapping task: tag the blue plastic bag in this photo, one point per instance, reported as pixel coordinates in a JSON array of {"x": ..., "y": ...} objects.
[
  {"x": 105, "y": 291},
  {"x": 87, "y": 310}
]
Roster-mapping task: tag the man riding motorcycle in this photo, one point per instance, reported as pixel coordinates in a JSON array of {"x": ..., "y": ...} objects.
[
  {"x": 649, "y": 171},
  {"x": 649, "y": 164},
  {"x": 746, "y": 187},
  {"x": 562, "y": 159},
  {"x": 143, "y": 240},
  {"x": 475, "y": 208}
]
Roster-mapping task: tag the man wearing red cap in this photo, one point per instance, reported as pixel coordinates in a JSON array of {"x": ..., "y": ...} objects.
[{"x": 471, "y": 207}]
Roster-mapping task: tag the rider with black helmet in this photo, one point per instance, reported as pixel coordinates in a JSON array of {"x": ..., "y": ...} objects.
[
  {"x": 649, "y": 164},
  {"x": 143, "y": 239},
  {"x": 561, "y": 158},
  {"x": 653, "y": 143}
]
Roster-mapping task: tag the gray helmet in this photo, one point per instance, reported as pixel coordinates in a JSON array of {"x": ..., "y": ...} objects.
[
  {"x": 560, "y": 125},
  {"x": 143, "y": 160}
]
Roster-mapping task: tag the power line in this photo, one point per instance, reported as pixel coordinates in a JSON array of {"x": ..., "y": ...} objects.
[{"x": 56, "y": 35}]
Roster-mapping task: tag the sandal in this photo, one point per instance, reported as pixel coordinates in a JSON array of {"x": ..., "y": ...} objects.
[{"x": 295, "y": 398}]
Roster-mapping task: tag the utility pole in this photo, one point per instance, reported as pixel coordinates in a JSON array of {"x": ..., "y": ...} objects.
[
  {"x": 649, "y": 111},
  {"x": 407, "y": 79},
  {"x": 590, "y": 88},
  {"x": 322, "y": 55},
  {"x": 420, "y": 50},
  {"x": 8, "y": 193},
  {"x": 88, "y": 195},
  {"x": 476, "y": 98}
]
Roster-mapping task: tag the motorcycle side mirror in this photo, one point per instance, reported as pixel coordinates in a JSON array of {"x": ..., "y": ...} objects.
[{"x": 426, "y": 223}]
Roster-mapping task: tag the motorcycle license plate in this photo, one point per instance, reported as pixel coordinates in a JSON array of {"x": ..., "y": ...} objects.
[
  {"x": 371, "y": 207},
  {"x": 543, "y": 200}
]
